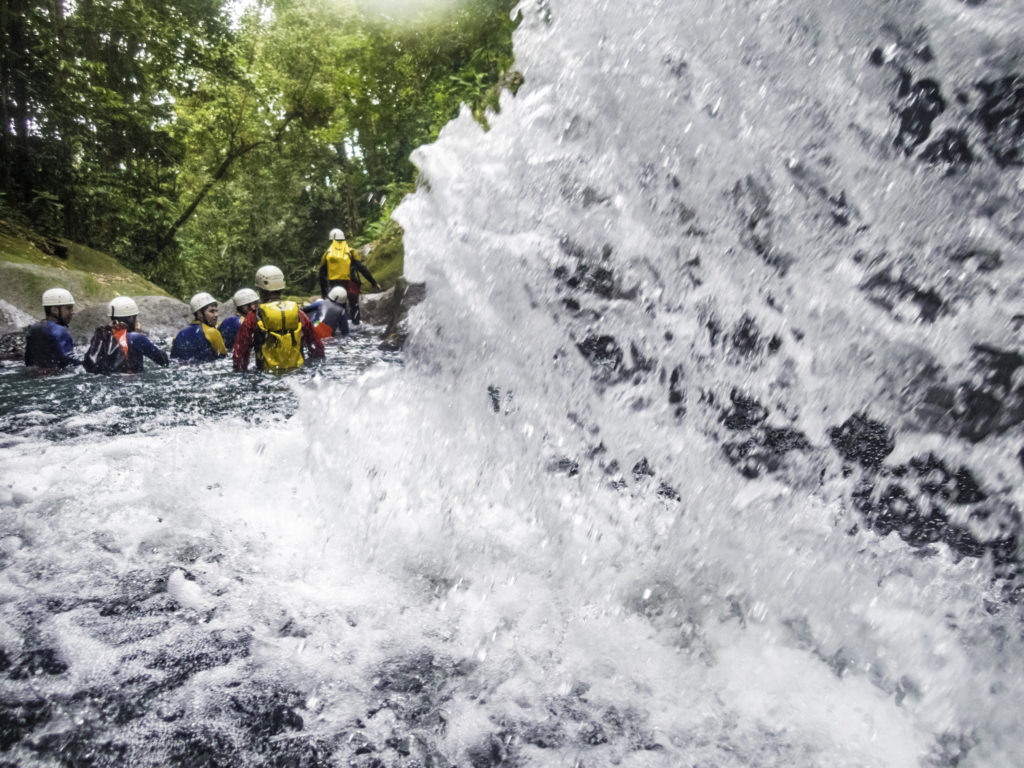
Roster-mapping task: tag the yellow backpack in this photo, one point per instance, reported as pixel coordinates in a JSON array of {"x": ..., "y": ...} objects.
[
  {"x": 281, "y": 349},
  {"x": 338, "y": 259}
]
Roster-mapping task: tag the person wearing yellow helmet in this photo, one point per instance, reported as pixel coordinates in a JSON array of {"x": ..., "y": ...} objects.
[
  {"x": 200, "y": 342},
  {"x": 48, "y": 343}
]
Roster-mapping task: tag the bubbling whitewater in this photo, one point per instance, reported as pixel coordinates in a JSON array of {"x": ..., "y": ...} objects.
[{"x": 704, "y": 452}]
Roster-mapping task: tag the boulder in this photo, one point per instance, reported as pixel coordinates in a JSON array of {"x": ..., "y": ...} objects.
[
  {"x": 13, "y": 319},
  {"x": 159, "y": 317},
  {"x": 390, "y": 309}
]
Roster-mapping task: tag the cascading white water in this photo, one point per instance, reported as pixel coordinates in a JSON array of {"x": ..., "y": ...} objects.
[{"x": 603, "y": 515}]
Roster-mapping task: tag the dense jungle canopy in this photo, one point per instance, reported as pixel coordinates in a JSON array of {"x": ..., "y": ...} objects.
[{"x": 197, "y": 139}]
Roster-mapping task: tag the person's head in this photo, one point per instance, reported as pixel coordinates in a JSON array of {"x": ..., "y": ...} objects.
[
  {"x": 246, "y": 300},
  {"x": 124, "y": 311},
  {"x": 337, "y": 234},
  {"x": 269, "y": 282},
  {"x": 204, "y": 308},
  {"x": 58, "y": 305},
  {"x": 337, "y": 294}
]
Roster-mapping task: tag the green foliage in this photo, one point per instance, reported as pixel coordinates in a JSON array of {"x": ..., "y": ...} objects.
[{"x": 196, "y": 146}]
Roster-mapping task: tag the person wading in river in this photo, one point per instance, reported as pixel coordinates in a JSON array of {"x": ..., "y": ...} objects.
[
  {"x": 246, "y": 301},
  {"x": 278, "y": 331},
  {"x": 201, "y": 342},
  {"x": 329, "y": 315},
  {"x": 340, "y": 265},
  {"x": 48, "y": 345},
  {"x": 121, "y": 346}
]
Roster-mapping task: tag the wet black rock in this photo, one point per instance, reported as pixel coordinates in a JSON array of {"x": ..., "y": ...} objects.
[
  {"x": 926, "y": 502},
  {"x": 18, "y": 718},
  {"x": 920, "y": 103},
  {"x": 950, "y": 148},
  {"x": 589, "y": 276},
  {"x": 204, "y": 746},
  {"x": 268, "y": 713},
  {"x": 753, "y": 204},
  {"x": 765, "y": 451},
  {"x": 12, "y": 346},
  {"x": 490, "y": 751},
  {"x": 604, "y": 354},
  {"x": 179, "y": 663},
  {"x": 1001, "y": 116},
  {"x": 745, "y": 412},
  {"x": 763, "y": 448},
  {"x": 37, "y": 661},
  {"x": 745, "y": 337},
  {"x": 989, "y": 403},
  {"x": 391, "y": 309},
  {"x": 888, "y": 291},
  {"x": 415, "y": 687},
  {"x": 984, "y": 260},
  {"x": 862, "y": 440},
  {"x": 676, "y": 394}
]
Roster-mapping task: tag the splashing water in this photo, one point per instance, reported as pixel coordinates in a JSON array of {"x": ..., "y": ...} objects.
[{"x": 704, "y": 451}]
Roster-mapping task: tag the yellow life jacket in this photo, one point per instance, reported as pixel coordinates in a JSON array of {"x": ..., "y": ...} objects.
[
  {"x": 216, "y": 340},
  {"x": 338, "y": 260},
  {"x": 279, "y": 325}
]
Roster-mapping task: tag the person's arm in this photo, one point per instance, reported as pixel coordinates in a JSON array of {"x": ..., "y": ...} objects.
[
  {"x": 366, "y": 271},
  {"x": 66, "y": 347},
  {"x": 314, "y": 346},
  {"x": 150, "y": 350},
  {"x": 243, "y": 343}
]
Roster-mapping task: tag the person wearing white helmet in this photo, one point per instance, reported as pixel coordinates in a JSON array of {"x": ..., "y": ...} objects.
[
  {"x": 246, "y": 301},
  {"x": 48, "y": 343},
  {"x": 329, "y": 316},
  {"x": 200, "y": 342},
  {"x": 340, "y": 265},
  {"x": 279, "y": 333},
  {"x": 121, "y": 346}
]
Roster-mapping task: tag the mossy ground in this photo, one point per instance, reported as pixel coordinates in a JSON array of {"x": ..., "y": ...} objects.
[
  {"x": 27, "y": 269},
  {"x": 386, "y": 259}
]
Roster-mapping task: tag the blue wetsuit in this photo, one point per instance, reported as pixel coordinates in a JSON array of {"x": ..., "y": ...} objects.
[
  {"x": 198, "y": 343},
  {"x": 229, "y": 329},
  {"x": 140, "y": 346},
  {"x": 330, "y": 313},
  {"x": 48, "y": 345}
]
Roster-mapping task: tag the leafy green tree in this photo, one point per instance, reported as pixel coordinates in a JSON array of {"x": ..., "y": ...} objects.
[{"x": 195, "y": 145}]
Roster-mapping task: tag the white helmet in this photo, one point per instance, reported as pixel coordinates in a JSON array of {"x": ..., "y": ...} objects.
[
  {"x": 337, "y": 234},
  {"x": 123, "y": 306},
  {"x": 269, "y": 278},
  {"x": 58, "y": 297},
  {"x": 337, "y": 294},
  {"x": 245, "y": 296},
  {"x": 201, "y": 301}
]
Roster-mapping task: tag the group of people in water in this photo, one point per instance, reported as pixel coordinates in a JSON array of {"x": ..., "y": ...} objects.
[{"x": 279, "y": 334}]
